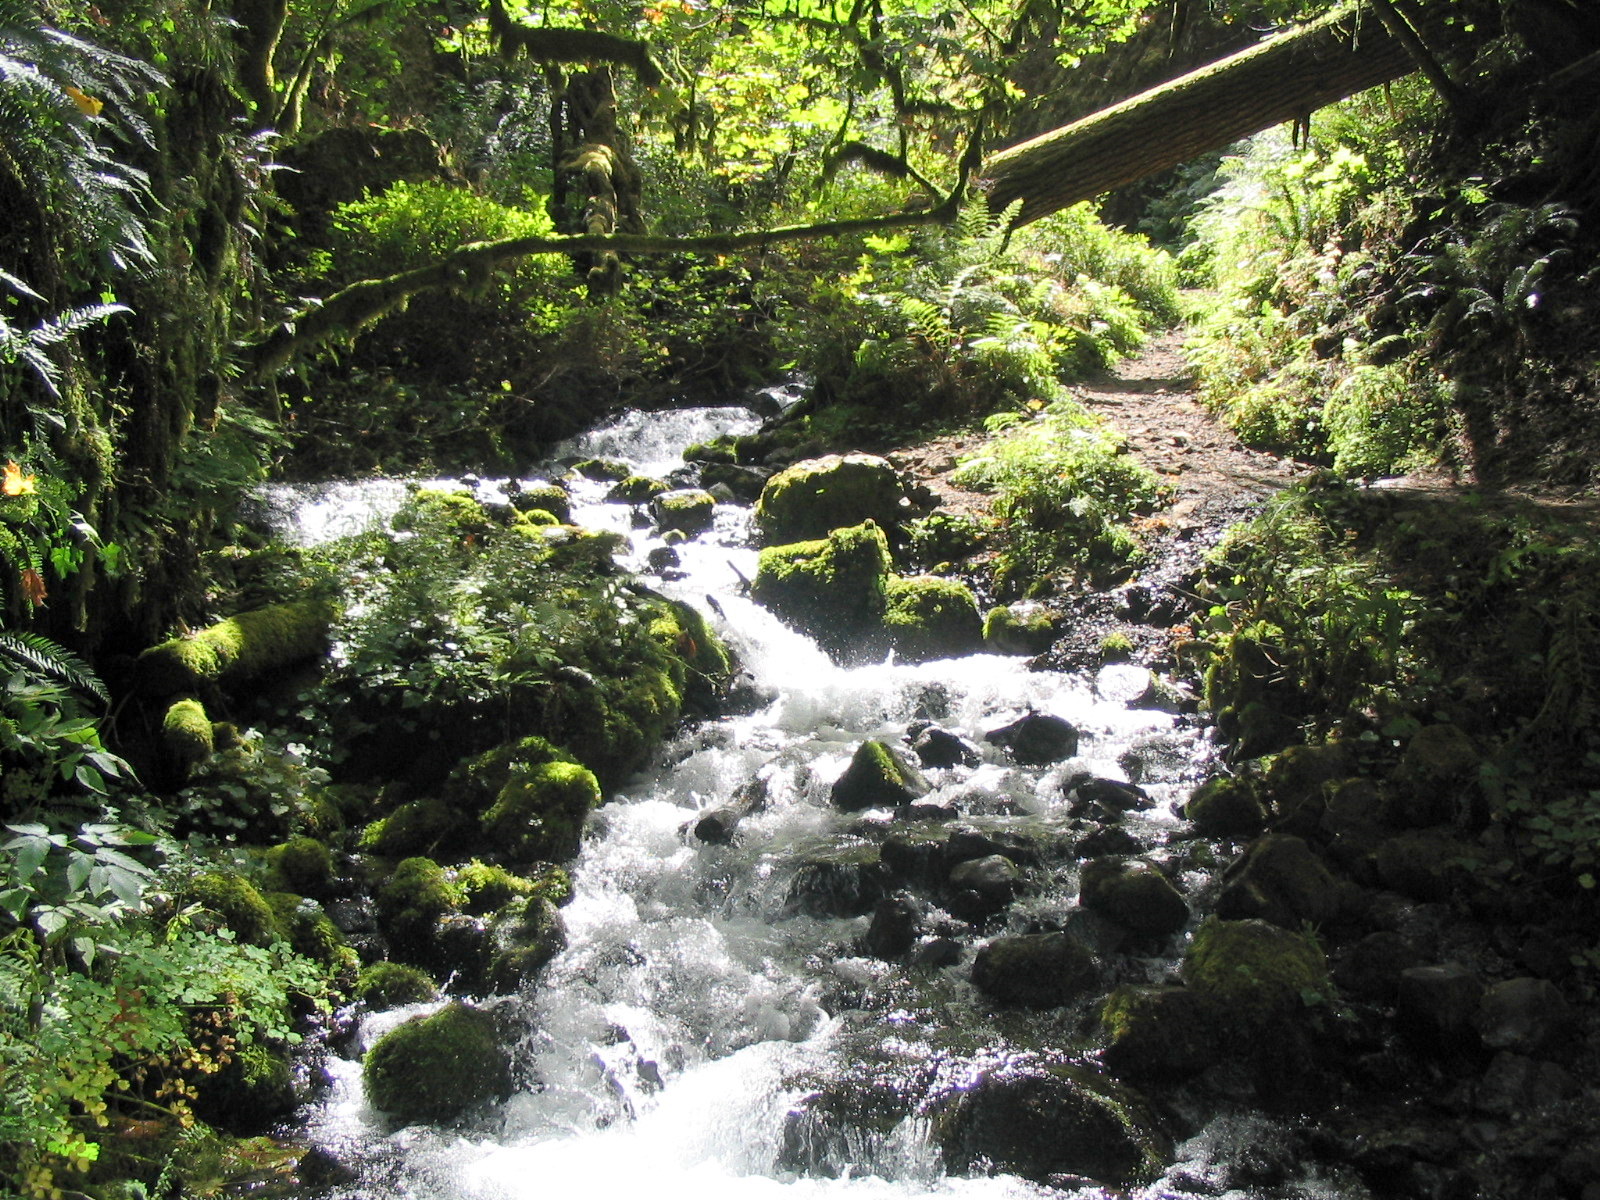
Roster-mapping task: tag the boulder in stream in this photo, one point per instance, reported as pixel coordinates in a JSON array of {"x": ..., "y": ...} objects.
[
  {"x": 433, "y": 1068},
  {"x": 1035, "y": 970},
  {"x": 814, "y": 497},
  {"x": 877, "y": 777},
  {"x": 832, "y": 589},
  {"x": 686, "y": 510},
  {"x": 1036, "y": 739},
  {"x": 1134, "y": 894},
  {"x": 927, "y": 617},
  {"x": 1279, "y": 879}
]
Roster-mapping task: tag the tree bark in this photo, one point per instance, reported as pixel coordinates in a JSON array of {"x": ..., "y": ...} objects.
[{"x": 1284, "y": 78}]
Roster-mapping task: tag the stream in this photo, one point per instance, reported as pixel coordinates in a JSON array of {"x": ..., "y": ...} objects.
[{"x": 714, "y": 1003}]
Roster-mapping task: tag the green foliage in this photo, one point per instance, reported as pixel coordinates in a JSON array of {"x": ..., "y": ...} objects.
[
  {"x": 48, "y": 743},
  {"x": 1064, "y": 495}
]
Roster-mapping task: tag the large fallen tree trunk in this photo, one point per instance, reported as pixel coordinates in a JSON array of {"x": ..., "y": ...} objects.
[{"x": 1283, "y": 79}]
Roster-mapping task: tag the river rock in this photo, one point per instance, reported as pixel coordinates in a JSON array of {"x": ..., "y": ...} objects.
[
  {"x": 1279, "y": 879},
  {"x": 432, "y": 1068},
  {"x": 915, "y": 856},
  {"x": 1104, "y": 799},
  {"x": 966, "y": 841},
  {"x": 1525, "y": 1016},
  {"x": 1516, "y": 1086},
  {"x": 896, "y": 924},
  {"x": 743, "y": 483},
  {"x": 845, "y": 883},
  {"x": 1296, "y": 778},
  {"x": 1047, "y": 1122},
  {"x": 1424, "y": 865},
  {"x": 1135, "y": 894},
  {"x": 1019, "y": 629},
  {"x": 1035, "y": 970},
  {"x": 813, "y": 497},
  {"x": 1036, "y": 739},
  {"x": 833, "y": 589},
  {"x": 686, "y": 510},
  {"x": 1226, "y": 807},
  {"x": 717, "y": 825},
  {"x": 878, "y": 777},
  {"x": 1254, "y": 972},
  {"x": 926, "y": 617},
  {"x": 982, "y": 887},
  {"x": 1371, "y": 969},
  {"x": 1437, "y": 1007},
  {"x": 939, "y": 748},
  {"x": 1158, "y": 1033}
]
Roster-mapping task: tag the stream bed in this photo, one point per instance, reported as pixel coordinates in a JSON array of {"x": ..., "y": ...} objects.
[{"x": 716, "y": 1026}]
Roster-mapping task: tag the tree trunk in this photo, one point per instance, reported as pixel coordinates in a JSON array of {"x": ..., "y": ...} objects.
[{"x": 1282, "y": 79}]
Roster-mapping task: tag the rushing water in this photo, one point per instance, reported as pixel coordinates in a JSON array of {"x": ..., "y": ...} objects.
[{"x": 698, "y": 1003}]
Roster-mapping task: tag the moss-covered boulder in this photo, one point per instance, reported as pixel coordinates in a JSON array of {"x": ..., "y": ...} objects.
[
  {"x": 237, "y": 904},
  {"x": 524, "y": 935},
  {"x": 242, "y": 647},
  {"x": 1035, "y": 970},
  {"x": 1018, "y": 629},
  {"x": 436, "y": 1067},
  {"x": 1226, "y": 807},
  {"x": 539, "y": 814},
  {"x": 419, "y": 826},
  {"x": 1253, "y": 971},
  {"x": 476, "y": 782},
  {"x": 454, "y": 513},
  {"x": 187, "y": 737},
  {"x": 602, "y": 470},
  {"x": 834, "y": 589},
  {"x": 1279, "y": 879},
  {"x": 927, "y": 617},
  {"x": 687, "y": 510},
  {"x": 391, "y": 984},
  {"x": 310, "y": 932},
  {"x": 411, "y": 902},
  {"x": 878, "y": 777},
  {"x": 544, "y": 496},
  {"x": 301, "y": 864},
  {"x": 1134, "y": 894},
  {"x": 488, "y": 886},
  {"x": 814, "y": 497},
  {"x": 637, "y": 489},
  {"x": 1159, "y": 1033}
]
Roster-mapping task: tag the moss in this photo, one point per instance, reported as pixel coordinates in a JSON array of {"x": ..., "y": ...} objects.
[
  {"x": 688, "y": 510},
  {"x": 526, "y": 934},
  {"x": 1116, "y": 647},
  {"x": 301, "y": 864},
  {"x": 476, "y": 783},
  {"x": 438, "y": 511},
  {"x": 238, "y": 904},
  {"x": 605, "y": 470},
  {"x": 682, "y": 631},
  {"x": 1254, "y": 971},
  {"x": 413, "y": 898},
  {"x": 1006, "y": 630},
  {"x": 548, "y": 497},
  {"x": 1226, "y": 808},
  {"x": 435, "y": 1067},
  {"x": 1159, "y": 1033},
  {"x": 239, "y": 648},
  {"x": 541, "y": 814},
  {"x": 187, "y": 736},
  {"x": 321, "y": 815},
  {"x": 535, "y": 518},
  {"x": 1134, "y": 894},
  {"x": 487, "y": 887},
  {"x": 416, "y": 826},
  {"x": 815, "y": 497},
  {"x": 927, "y": 617},
  {"x": 637, "y": 489},
  {"x": 391, "y": 984},
  {"x": 311, "y": 933},
  {"x": 834, "y": 589}
]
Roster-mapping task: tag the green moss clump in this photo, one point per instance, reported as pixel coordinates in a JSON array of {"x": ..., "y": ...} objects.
[
  {"x": 688, "y": 510},
  {"x": 535, "y": 518},
  {"x": 526, "y": 934},
  {"x": 682, "y": 631},
  {"x": 416, "y": 826},
  {"x": 548, "y": 497},
  {"x": 391, "y": 984},
  {"x": 1159, "y": 1033},
  {"x": 815, "y": 497},
  {"x": 311, "y": 933},
  {"x": 637, "y": 489},
  {"x": 1254, "y": 971},
  {"x": 435, "y": 1067},
  {"x": 1226, "y": 808},
  {"x": 487, "y": 887},
  {"x": 476, "y": 783},
  {"x": 238, "y": 904},
  {"x": 301, "y": 864},
  {"x": 1006, "y": 630},
  {"x": 604, "y": 470},
  {"x": 927, "y": 617},
  {"x": 834, "y": 589},
  {"x": 187, "y": 735},
  {"x": 877, "y": 777},
  {"x": 541, "y": 814},
  {"x": 1116, "y": 647},
  {"x": 437, "y": 511},
  {"x": 413, "y": 898},
  {"x": 241, "y": 647}
]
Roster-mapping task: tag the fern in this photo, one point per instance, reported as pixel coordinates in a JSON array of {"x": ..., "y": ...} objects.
[{"x": 41, "y": 656}]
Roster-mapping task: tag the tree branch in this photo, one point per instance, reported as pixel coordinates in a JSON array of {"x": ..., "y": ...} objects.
[{"x": 572, "y": 45}]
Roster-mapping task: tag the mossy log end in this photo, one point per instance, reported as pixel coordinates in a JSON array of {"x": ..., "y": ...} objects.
[
  {"x": 239, "y": 648},
  {"x": 1285, "y": 78}
]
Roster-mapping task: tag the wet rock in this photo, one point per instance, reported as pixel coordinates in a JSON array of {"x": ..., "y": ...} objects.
[
  {"x": 1135, "y": 894},
  {"x": 1152, "y": 757},
  {"x": 926, "y": 617},
  {"x": 1425, "y": 865},
  {"x": 966, "y": 842},
  {"x": 813, "y": 497},
  {"x": 832, "y": 588},
  {"x": 1515, "y": 1085},
  {"x": 1036, "y": 739},
  {"x": 637, "y": 489},
  {"x": 896, "y": 924},
  {"x": 663, "y": 558},
  {"x": 433, "y": 1068},
  {"x": 1371, "y": 969},
  {"x": 928, "y": 810},
  {"x": 718, "y": 825},
  {"x": 1278, "y": 879},
  {"x": 1226, "y": 807},
  {"x": 1158, "y": 1033},
  {"x": 1253, "y": 971},
  {"x": 1035, "y": 970},
  {"x": 878, "y": 777},
  {"x": 1352, "y": 806},
  {"x": 1019, "y": 629},
  {"x": 1108, "y": 840},
  {"x": 320, "y": 1168},
  {"x": 939, "y": 748},
  {"x": 846, "y": 884},
  {"x": 1295, "y": 781},
  {"x": 1437, "y": 1006},
  {"x": 1126, "y": 684},
  {"x": 1045, "y": 1122},
  {"x": 843, "y": 1115},
  {"x": 743, "y": 483},
  {"x": 686, "y": 510},
  {"x": 1525, "y": 1016},
  {"x": 982, "y": 887},
  {"x": 936, "y": 952},
  {"x": 525, "y": 935},
  {"x": 461, "y": 950},
  {"x": 1097, "y": 934},
  {"x": 915, "y": 857},
  {"x": 1104, "y": 799}
]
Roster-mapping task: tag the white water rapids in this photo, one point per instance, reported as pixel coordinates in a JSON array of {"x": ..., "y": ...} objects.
[{"x": 694, "y": 1007}]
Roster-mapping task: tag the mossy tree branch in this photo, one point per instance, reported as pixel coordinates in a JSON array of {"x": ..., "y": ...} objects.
[{"x": 572, "y": 46}]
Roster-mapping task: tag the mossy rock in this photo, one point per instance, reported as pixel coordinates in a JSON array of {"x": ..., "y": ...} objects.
[
  {"x": 237, "y": 904},
  {"x": 834, "y": 589},
  {"x": 928, "y": 617},
  {"x": 301, "y": 864},
  {"x": 440, "y": 511},
  {"x": 813, "y": 498},
  {"x": 1015, "y": 629},
  {"x": 240, "y": 648},
  {"x": 1279, "y": 879},
  {"x": 1035, "y": 970},
  {"x": 311, "y": 933},
  {"x": 878, "y": 777},
  {"x": 535, "y": 518},
  {"x": 544, "y": 497},
  {"x": 412, "y": 901},
  {"x": 475, "y": 784},
  {"x": 436, "y": 1067},
  {"x": 390, "y": 984},
  {"x": 541, "y": 814},
  {"x": 525, "y": 935},
  {"x": 418, "y": 826},
  {"x": 1159, "y": 1033},
  {"x": 1226, "y": 808},
  {"x": 487, "y": 887},
  {"x": 682, "y": 630},
  {"x": 687, "y": 510},
  {"x": 637, "y": 489},
  {"x": 1253, "y": 971},
  {"x": 602, "y": 470},
  {"x": 187, "y": 737},
  {"x": 1134, "y": 894}
]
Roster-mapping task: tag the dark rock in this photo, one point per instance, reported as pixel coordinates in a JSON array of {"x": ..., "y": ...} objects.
[
  {"x": 319, "y": 1168},
  {"x": 1437, "y": 1006},
  {"x": 1352, "y": 806},
  {"x": 461, "y": 949},
  {"x": 1371, "y": 969},
  {"x": 662, "y": 558},
  {"x": 1425, "y": 865},
  {"x": 878, "y": 777},
  {"x": 1047, "y": 1122},
  {"x": 1097, "y": 934},
  {"x": 845, "y": 885},
  {"x": 936, "y": 952},
  {"x": 1226, "y": 807},
  {"x": 743, "y": 483},
  {"x": 432, "y": 1068},
  {"x": 935, "y": 747},
  {"x": 687, "y": 510},
  {"x": 718, "y": 825},
  {"x": 928, "y": 810},
  {"x": 982, "y": 887},
  {"x": 1090, "y": 795},
  {"x": 1036, "y": 739},
  {"x": 1295, "y": 781},
  {"x": 1514, "y": 1085},
  {"x": 1278, "y": 879},
  {"x": 1135, "y": 894},
  {"x": 1108, "y": 840},
  {"x": 896, "y": 923},
  {"x": 1525, "y": 1016},
  {"x": 965, "y": 843},
  {"x": 915, "y": 858},
  {"x": 1159, "y": 1033},
  {"x": 1253, "y": 972},
  {"x": 1036, "y": 970}
]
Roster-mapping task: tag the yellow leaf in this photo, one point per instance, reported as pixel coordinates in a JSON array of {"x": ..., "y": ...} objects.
[
  {"x": 87, "y": 104},
  {"x": 16, "y": 483}
]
